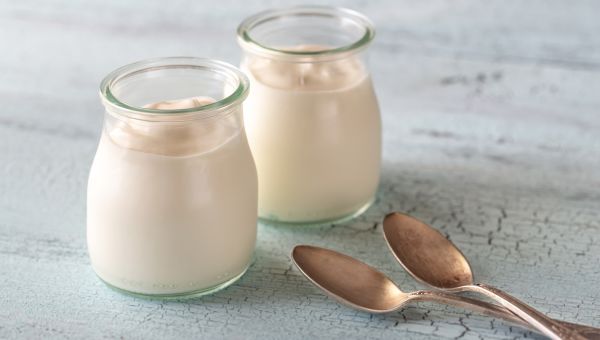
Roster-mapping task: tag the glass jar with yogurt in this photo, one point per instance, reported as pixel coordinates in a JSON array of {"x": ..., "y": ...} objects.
[
  {"x": 312, "y": 116},
  {"x": 172, "y": 192}
]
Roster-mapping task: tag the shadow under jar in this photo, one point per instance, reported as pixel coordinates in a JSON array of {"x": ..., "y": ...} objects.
[
  {"x": 312, "y": 116},
  {"x": 172, "y": 192}
]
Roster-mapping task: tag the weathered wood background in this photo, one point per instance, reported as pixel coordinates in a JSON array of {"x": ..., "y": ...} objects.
[{"x": 491, "y": 115}]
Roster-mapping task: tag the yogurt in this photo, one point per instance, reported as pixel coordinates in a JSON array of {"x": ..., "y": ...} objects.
[
  {"x": 315, "y": 133},
  {"x": 172, "y": 207}
]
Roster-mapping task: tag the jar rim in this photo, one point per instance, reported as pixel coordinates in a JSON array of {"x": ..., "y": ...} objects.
[
  {"x": 247, "y": 42},
  {"x": 110, "y": 99}
]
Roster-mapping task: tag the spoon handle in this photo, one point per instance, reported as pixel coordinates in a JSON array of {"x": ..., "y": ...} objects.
[
  {"x": 495, "y": 311},
  {"x": 540, "y": 321}
]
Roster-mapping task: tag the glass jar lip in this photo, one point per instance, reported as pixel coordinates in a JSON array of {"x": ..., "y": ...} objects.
[
  {"x": 246, "y": 41},
  {"x": 208, "y": 110}
]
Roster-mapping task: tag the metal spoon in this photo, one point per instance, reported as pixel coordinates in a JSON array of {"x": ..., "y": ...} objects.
[
  {"x": 360, "y": 286},
  {"x": 432, "y": 259}
]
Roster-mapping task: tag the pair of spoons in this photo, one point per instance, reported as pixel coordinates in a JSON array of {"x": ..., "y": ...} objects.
[{"x": 431, "y": 259}]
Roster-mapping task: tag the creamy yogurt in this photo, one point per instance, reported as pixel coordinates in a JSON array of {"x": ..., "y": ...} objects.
[
  {"x": 315, "y": 134},
  {"x": 171, "y": 207}
]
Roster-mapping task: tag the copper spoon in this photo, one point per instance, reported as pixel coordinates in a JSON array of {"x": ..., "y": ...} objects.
[
  {"x": 431, "y": 258},
  {"x": 360, "y": 286}
]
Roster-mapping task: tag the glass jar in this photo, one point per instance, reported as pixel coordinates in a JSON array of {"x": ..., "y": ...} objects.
[
  {"x": 312, "y": 116},
  {"x": 172, "y": 191}
]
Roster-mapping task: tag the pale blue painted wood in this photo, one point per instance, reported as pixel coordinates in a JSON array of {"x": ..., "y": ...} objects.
[{"x": 491, "y": 133}]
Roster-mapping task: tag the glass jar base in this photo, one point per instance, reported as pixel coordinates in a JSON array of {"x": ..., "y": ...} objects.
[
  {"x": 311, "y": 223},
  {"x": 178, "y": 296}
]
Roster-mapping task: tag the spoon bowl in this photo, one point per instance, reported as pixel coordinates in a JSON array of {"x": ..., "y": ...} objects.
[
  {"x": 348, "y": 280},
  {"x": 425, "y": 253}
]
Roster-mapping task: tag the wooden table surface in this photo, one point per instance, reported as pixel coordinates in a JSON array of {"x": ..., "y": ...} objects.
[{"x": 491, "y": 114}]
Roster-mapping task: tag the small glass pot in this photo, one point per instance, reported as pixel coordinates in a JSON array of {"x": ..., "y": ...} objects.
[
  {"x": 172, "y": 191},
  {"x": 312, "y": 116}
]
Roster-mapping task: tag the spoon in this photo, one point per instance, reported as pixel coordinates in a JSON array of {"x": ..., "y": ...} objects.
[
  {"x": 432, "y": 259},
  {"x": 360, "y": 286}
]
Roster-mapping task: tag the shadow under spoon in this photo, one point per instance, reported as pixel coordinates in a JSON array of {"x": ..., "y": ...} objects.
[{"x": 432, "y": 259}]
